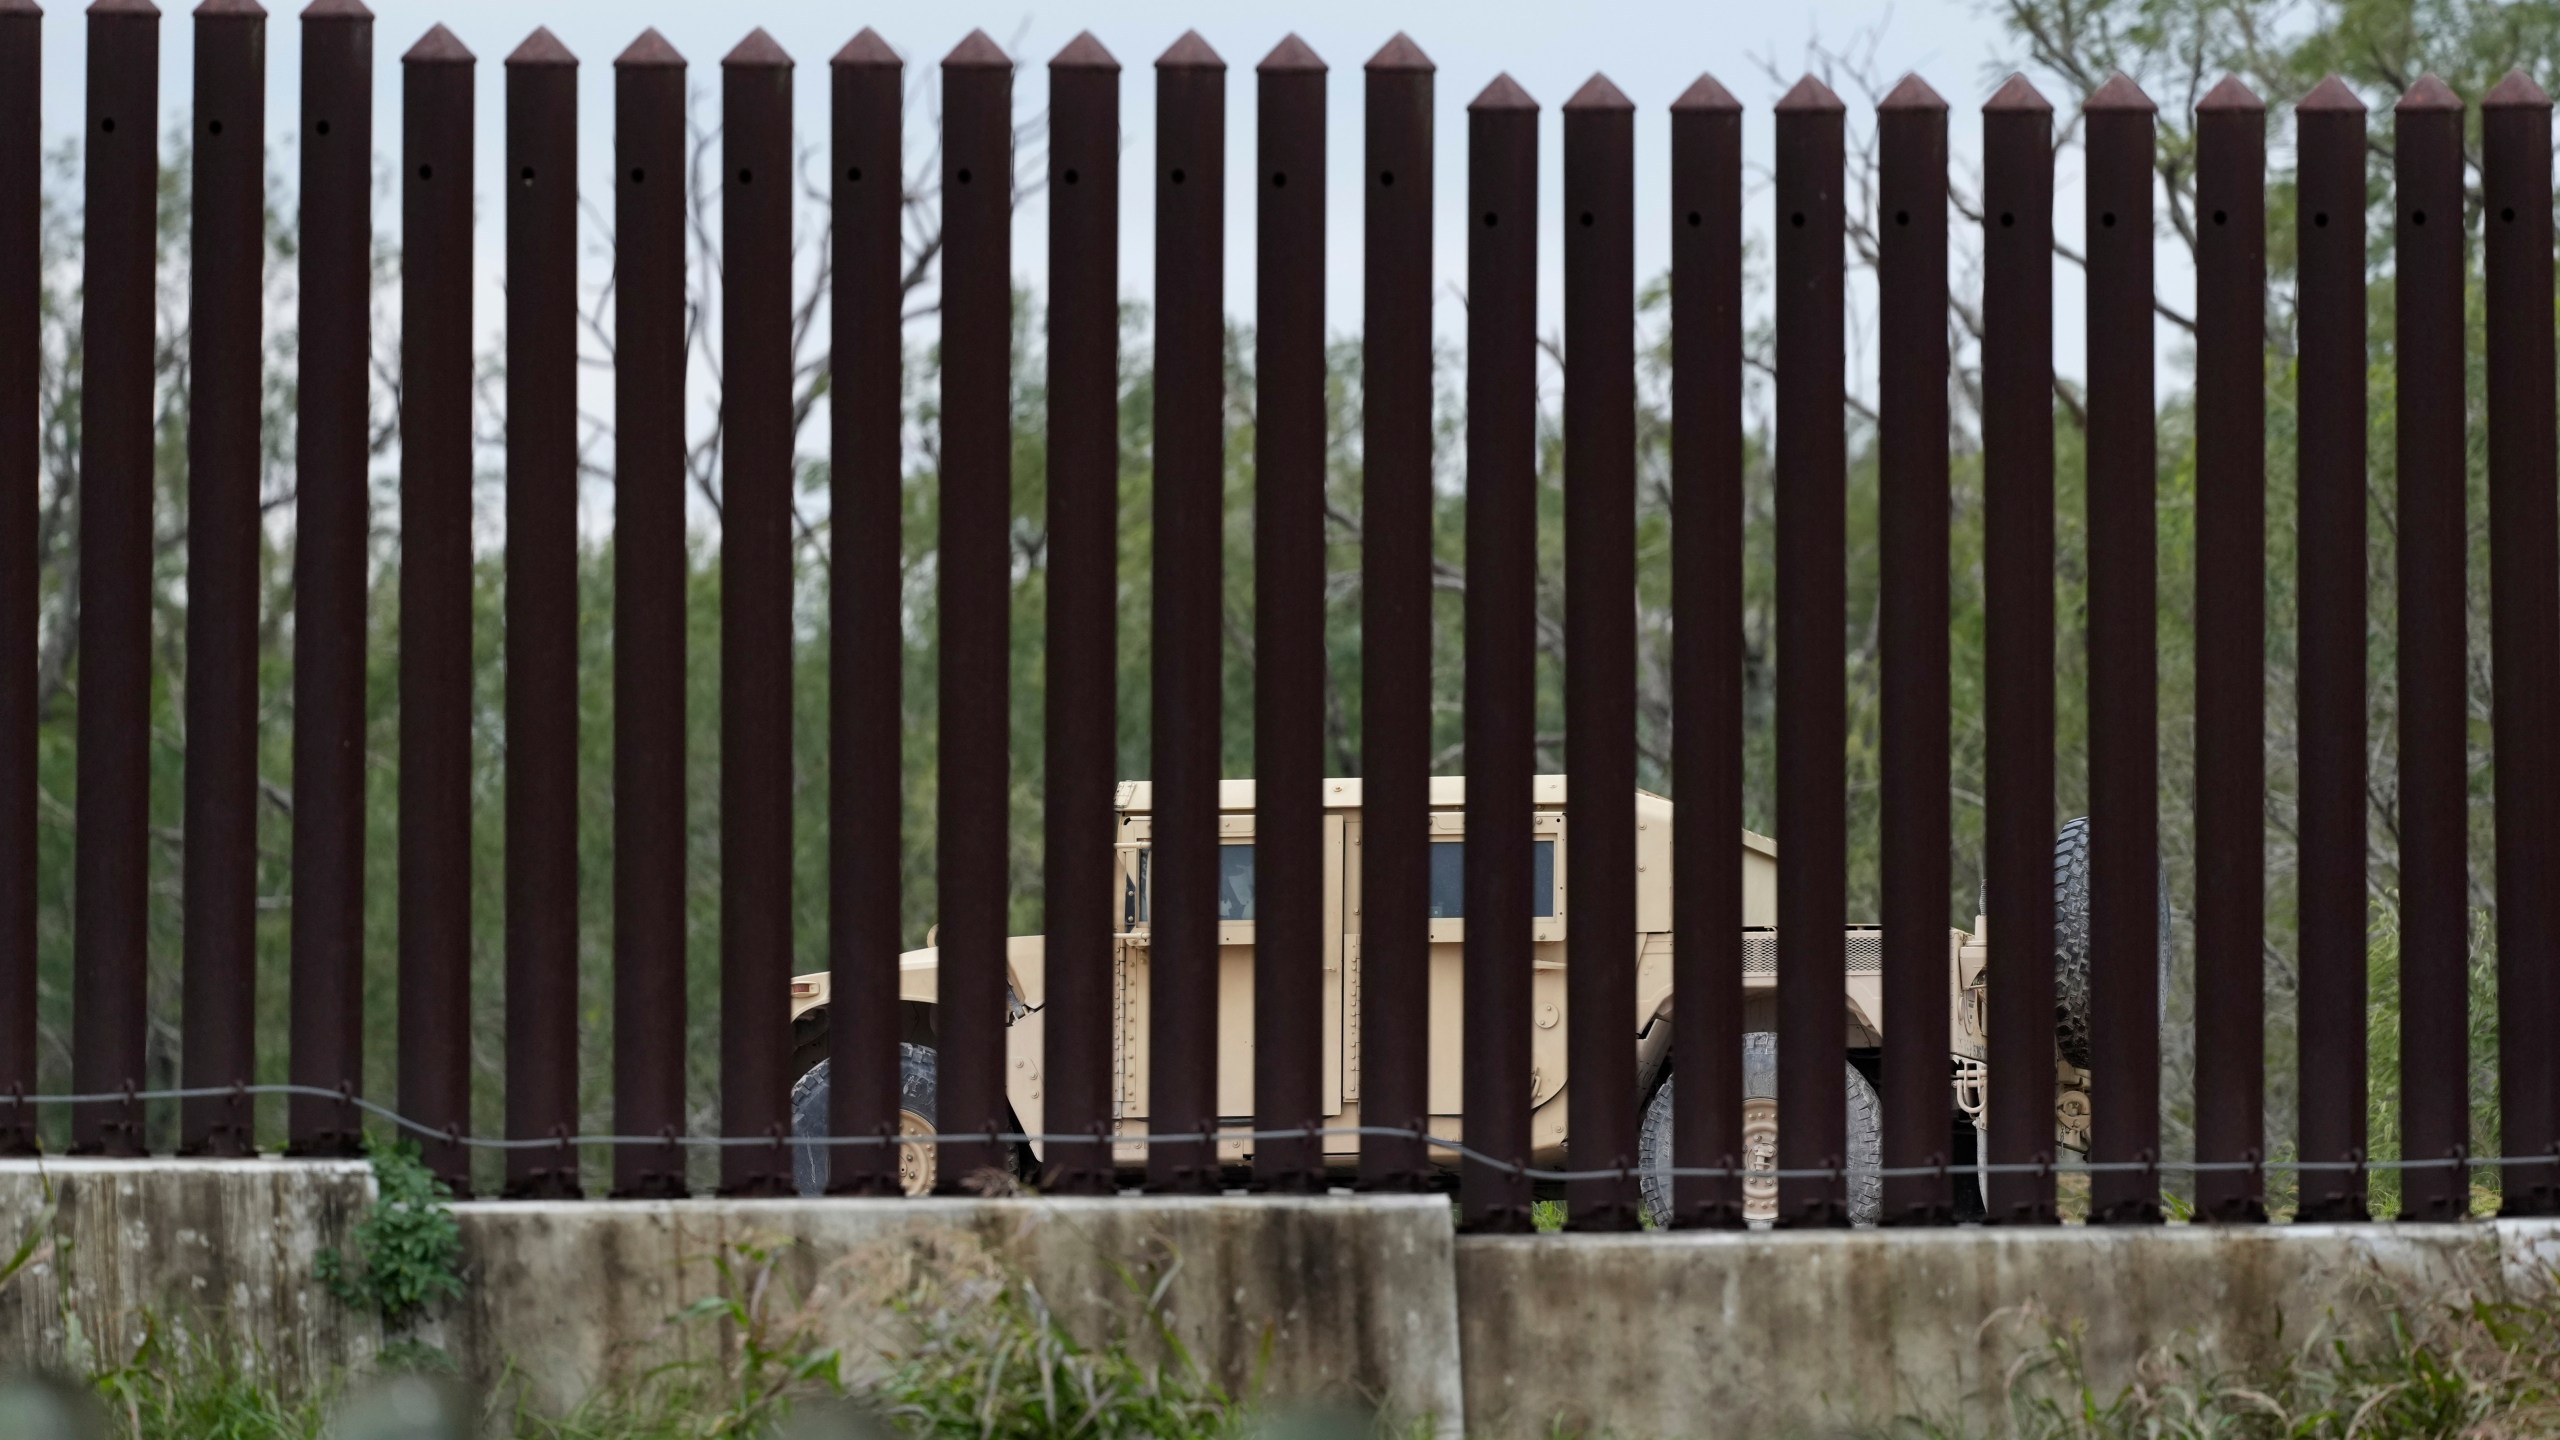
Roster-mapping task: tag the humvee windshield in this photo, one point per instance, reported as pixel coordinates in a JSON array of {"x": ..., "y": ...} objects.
[{"x": 1448, "y": 883}]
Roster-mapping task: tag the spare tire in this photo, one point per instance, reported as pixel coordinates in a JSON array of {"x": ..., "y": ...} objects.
[
  {"x": 1759, "y": 1141},
  {"x": 2071, "y": 936}
]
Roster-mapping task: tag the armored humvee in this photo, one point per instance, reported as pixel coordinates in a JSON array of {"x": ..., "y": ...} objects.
[{"x": 1862, "y": 1002}]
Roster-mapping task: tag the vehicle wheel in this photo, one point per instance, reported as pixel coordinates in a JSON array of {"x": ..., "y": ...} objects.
[
  {"x": 1962, "y": 1143},
  {"x": 2071, "y": 943},
  {"x": 916, "y": 1072},
  {"x": 1760, "y": 1139}
]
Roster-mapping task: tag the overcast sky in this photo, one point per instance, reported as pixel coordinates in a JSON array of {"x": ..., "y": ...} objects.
[{"x": 1652, "y": 50}]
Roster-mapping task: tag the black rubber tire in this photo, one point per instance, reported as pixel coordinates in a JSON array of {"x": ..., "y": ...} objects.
[
  {"x": 918, "y": 1067},
  {"x": 1760, "y": 1081},
  {"x": 1963, "y": 1142},
  {"x": 2071, "y": 943}
]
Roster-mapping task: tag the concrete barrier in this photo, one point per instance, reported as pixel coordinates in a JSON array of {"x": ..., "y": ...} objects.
[
  {"x": 1365, "y": 1298},
  {"x": 1826, "y": 1333},
  {"x": 222, "y": 1250},
  {"x": 1289, "y": 1300}
]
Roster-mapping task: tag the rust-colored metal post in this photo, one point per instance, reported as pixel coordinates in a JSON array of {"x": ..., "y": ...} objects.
[
  {"x": 1812, "y": 487},
  {"x": 2524, "y": 638},
  {"x": 1392, "y": 1049},
  {"x": 435, "y": 603},
  {"x": 1501, "y": 640},
  {"x": 2231, "y": 649},
  {"x": 867, "y": 642},
  {"x": 756, "y": 188},
  {"x": 21, "y": 358},
  {"x": 109, "y": 1014},
  {"x": 542, "y": 614},
  {"x": 225, "y": 274},
  {"x": 975, "y": 565},
  {"x": 1600, "y": 646},
  {"x": 333, "y": 526},
  {"x": 1706, "y": 648},
  {"x": 650, "y": 574},
  {"x": 2018, "y": 626},
  {"x": 1081, "y": 897},
  {"x": 1288, "y": 617},
  {"x": 2525, "y": 626},
  {"x": 1191, "y": 130},
  {"x": 2124, "y": 661},
  {"x": 2435, "y": 916},
  {"x": 2329, "y": 229},
  {"x": 1912, "y": 442}
]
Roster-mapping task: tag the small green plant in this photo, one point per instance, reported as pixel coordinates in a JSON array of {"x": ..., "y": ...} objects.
[
  {"x": 408, "y": 1251},
  {"x": 774, "y": 1358},
  {"x": 780, "y": 1354},
  {"x": 176, "y": 1385},
  {"x": 1003, "y": 1368}
]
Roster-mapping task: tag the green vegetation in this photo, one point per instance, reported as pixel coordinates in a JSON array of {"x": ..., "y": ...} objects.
[
  {"x": 175, "y": 1387},
  {"x": 965, "y": 1350},
  {"x": 981, "y": 1355},
  {"x": 407, "y": 1249}
]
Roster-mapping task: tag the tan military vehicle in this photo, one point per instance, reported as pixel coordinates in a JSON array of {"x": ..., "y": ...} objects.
[{"x": 1862, "y": 1017}]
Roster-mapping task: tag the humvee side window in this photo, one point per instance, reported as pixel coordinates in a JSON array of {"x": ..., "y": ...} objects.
[
  {"x": 1235, "y": 882},
  {"x": 1449, "y": 879},
  {"x": 1235, "y": 887},
  {"x": 1133, "y": 895}
]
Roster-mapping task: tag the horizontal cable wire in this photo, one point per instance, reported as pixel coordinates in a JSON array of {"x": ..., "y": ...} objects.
[{"x": 557, "y": 1142}]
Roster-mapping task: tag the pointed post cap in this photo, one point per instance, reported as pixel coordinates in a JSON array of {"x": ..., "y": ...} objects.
[
  {"x": 1400, "y": 53},
  {"x": 2018, "y": 94},
  {"x": 1503, "y": 94},
  {"x": 867, "y": 51},
  {"x": 1190, "y": 53},
  {"x": 2331, "y": 94},
  {"x": 1810, "y": 94},
  {"x": 1292, "y": 56},
  {"x": 650, "y": 51},
  {"x": 21, "y": 7},
  {"x": 142, "y": 8},
  {"x": 1598, "y": 94},
  {"x": 1706, "y": 95},
  {"x": 977, "y": 51},
  {"x": 1913, "y": 93},
  {"x": 230, "y": 10},
  {"x": 438, "y": 46},
  {"x": 2230, "y": 94},
  {"x": 2516, "y": 92},
  {"x": 541, "y": 48},
  {"x": 1084, "y": 53},
  {"x": 757, "y": 51},
  {"x": 2430, "y": 93},
  {"x": 2119, "y": 96},
  {"x": 336, "y": 10}
]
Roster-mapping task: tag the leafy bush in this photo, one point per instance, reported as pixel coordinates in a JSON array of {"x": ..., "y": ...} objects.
[{"x": 408, "y": 1249}]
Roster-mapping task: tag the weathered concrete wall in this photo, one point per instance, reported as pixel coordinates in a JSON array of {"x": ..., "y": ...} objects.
[
  {"x": 1366, "y": 1298},
  {"x": 1815, "y": 1334},
  {"x": 1341, "y": 1297},
  {"x": 219, "y": 1249}
]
